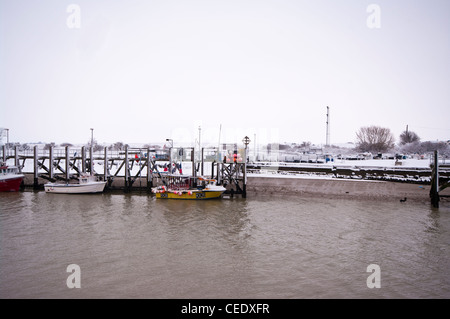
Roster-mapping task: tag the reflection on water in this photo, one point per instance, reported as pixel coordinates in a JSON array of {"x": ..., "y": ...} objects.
[{"x": 134, "y": 246}]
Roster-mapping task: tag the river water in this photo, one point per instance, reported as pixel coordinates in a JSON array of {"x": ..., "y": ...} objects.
[{"x": 134, "y": 246}]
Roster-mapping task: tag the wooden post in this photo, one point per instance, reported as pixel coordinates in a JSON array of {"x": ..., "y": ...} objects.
[
  {"x": 149, "y": 171},
  {"x": 16, "y": 158},
  {"x": 83, "y": 159},
  {"x": 170, "y": 160},
  {"x": 35, "y": 168},
  {"x": 67, "y": 164},
  {"x": 91, "y": 169},
  {"x": 244, "y": 187},
  {"x": 105, "y": 165},
  {"x": 194, "y": 171},
  {"x": 434, "y": 192},
  {"x": 127, "y": 172},
  {"x": 217, "y": 171},
  {"x": 436, "y": 168},
  {"x": 201, "y": 171},
  {"x": 50, "y": 165}
]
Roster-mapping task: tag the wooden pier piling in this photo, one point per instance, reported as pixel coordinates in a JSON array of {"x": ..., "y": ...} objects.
[
  {"x": 35, "y": 168},
  {"x": 436, "y": 187},
  {"x": 152, "y": 171},
  {"x": 127, "y": 172},
  {"x": 16, "y": 158},
  {"x": 67, "y": 162},
  {"x": 83, "y": 159},
  {"x": 50, "y": 164},
  {"x": 105, "y": 165}
]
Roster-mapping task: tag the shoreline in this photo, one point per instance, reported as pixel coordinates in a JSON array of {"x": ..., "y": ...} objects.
[{"x": 337, "y": 188}]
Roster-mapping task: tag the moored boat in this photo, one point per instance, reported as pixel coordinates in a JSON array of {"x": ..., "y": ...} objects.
[
  {"x": 187, "y": 187},
  {"x": 10, "y": 178},
  {"x": 87, "y": 184}
]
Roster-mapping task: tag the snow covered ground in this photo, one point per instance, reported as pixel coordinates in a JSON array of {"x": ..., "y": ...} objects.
[{"x": 407, "y": 163}]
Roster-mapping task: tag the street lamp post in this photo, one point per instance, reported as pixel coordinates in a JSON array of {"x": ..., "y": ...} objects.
[
  {"x": 246, "y": 141},
  {"x": 170, "y": 140}
]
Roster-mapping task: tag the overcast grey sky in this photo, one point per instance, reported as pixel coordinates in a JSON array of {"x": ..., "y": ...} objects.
[{"x": 144, "y": 71}]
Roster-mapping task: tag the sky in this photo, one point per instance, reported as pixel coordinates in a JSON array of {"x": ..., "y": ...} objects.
[{"x": 219, "y": 70}]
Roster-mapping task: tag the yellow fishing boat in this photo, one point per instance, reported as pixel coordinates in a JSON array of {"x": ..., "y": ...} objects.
[{"x": 187, "y": 187}]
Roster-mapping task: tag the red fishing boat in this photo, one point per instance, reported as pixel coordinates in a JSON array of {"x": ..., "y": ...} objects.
[{"x": 10, "y": 178}]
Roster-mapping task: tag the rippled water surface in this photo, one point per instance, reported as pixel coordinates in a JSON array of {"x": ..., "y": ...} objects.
[{"x": 134, "y": 246}]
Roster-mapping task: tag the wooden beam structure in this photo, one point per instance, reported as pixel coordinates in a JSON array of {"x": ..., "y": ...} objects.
[{"x": 65, "y": 164}]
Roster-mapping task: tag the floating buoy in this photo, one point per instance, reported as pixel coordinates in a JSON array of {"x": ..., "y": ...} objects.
[{"x": 190, "y": 192}]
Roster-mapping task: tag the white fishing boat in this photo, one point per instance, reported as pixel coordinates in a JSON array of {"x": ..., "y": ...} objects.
[{"x": 86, "y": 184}]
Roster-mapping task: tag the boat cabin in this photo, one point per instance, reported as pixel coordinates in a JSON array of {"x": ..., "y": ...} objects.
[
  {"x": 184, "y": 182},
  {"x": 85, "y": 178},
  {"x": 5, "y": 170}
]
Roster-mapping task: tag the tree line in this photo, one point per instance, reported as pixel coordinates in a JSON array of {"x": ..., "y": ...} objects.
[{"x": 376, "y": 139}]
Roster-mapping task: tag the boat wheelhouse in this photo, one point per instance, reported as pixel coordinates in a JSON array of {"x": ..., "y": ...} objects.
[{"x": 10, "y": 178}]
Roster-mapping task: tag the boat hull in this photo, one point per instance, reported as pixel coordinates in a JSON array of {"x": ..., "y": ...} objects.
[
  {"x": 11, "y": 184},
  {"x": 96, "y": 187},
  {"x": 193, "y": 195}
]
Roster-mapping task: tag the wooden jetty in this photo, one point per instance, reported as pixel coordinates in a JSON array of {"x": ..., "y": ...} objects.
[{"x": 135, "y": 168}]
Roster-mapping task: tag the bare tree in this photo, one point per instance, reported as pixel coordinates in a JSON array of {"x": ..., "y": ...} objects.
[
  {"x": 95, "y": 146},
  {"x": 426, "y": 147},
  {"x": 305, "y": 144},
  {"x": 409, "y": 137},
  {"x": 374, "y": 139},
  {"x": 24, "y": 147},
  {"x": 118, "y": 146}
]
